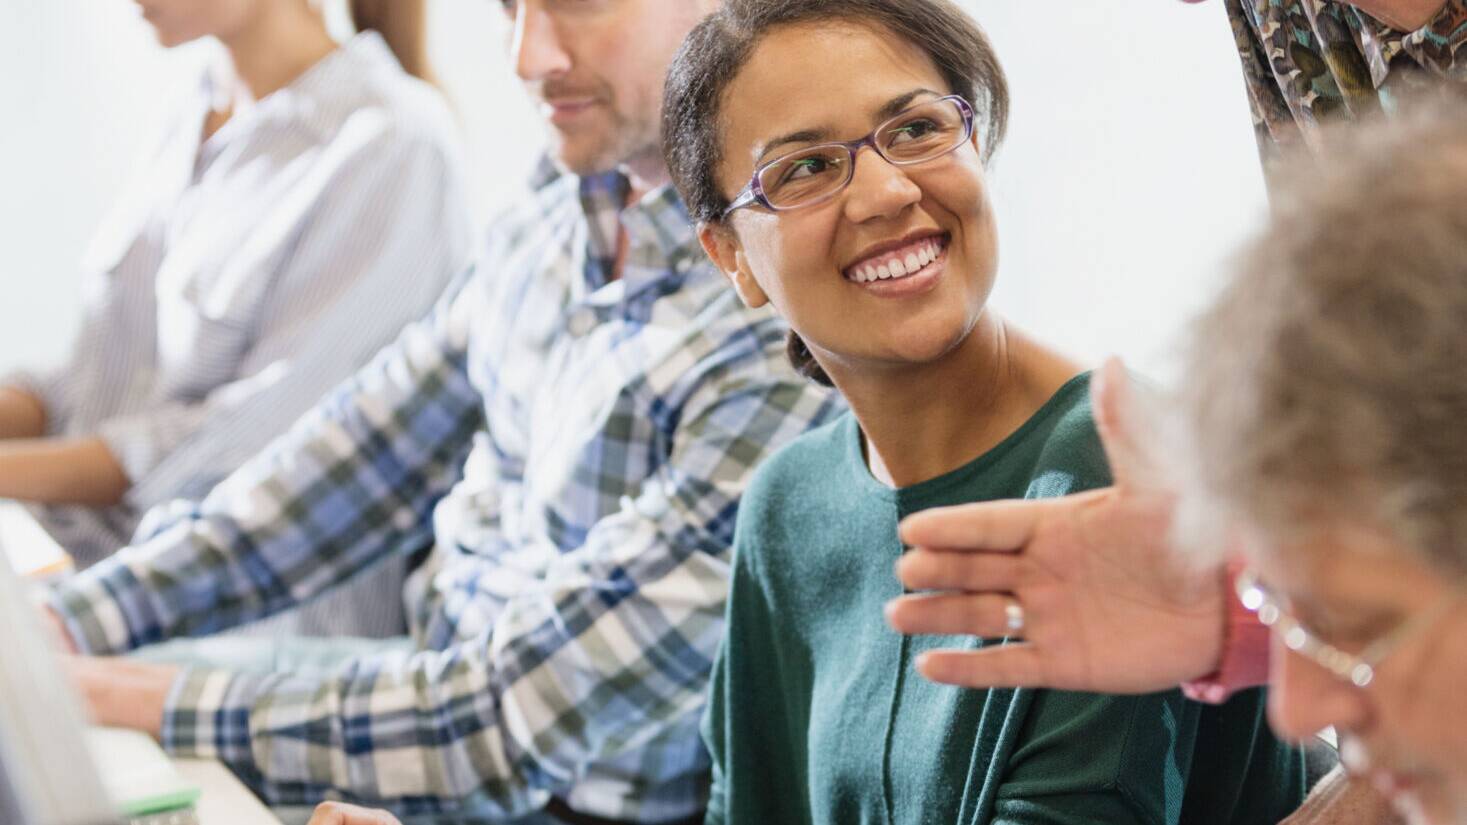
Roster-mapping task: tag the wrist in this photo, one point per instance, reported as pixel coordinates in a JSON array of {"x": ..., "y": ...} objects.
[{"x": 1242, "y": 659}]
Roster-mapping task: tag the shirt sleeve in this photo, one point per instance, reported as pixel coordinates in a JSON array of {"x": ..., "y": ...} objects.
[
  {"x": 379, "y": 244},
  {"x": 352, "y": 482},
  {"x": 1078, "y": 754},
  {"x": 746, "y": 624},
  {"x": 607, "y": 651}
]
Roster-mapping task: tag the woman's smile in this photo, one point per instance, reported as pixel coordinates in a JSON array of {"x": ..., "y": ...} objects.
[{"x": 901, "y": 268}]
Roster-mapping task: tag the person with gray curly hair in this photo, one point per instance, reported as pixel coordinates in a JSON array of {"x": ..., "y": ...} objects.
[{"x": 1320, "y": 452}]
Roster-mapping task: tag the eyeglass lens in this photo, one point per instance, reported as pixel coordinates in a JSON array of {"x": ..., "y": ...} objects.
[{"x": 921, "y": 133}]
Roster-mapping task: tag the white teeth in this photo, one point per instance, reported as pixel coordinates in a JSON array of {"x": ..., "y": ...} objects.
[{"x": 923, "y": 254}]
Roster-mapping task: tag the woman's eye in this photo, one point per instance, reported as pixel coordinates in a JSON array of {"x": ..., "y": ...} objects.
[
  {"x": 914, "y": 130},
  {"x": 805, "y": 167}
]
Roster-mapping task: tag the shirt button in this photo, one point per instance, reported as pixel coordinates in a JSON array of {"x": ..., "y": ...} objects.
[{"x": 581, "y": 322}]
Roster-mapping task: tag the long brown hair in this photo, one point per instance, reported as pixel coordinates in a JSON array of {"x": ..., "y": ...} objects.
[{"x": 403, "y": 24}]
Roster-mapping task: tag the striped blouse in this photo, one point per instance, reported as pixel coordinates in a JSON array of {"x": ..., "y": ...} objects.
[{"x": 244, "y": 275}]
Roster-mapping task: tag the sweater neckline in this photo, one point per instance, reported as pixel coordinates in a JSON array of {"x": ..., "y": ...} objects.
[{"x": 868, "y": 485}]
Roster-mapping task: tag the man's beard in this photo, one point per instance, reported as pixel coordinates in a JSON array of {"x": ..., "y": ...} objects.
[{"x": 614, "y": 150}]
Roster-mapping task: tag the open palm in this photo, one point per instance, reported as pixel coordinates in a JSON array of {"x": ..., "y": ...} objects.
[{"x": 1108, "y": 604}]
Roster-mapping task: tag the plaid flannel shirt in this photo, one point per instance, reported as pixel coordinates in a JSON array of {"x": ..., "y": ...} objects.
[{"x": 574, "y": 449}]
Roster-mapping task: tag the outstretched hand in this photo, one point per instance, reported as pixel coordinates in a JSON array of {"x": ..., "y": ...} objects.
[{"x": 1108, "y": 605}]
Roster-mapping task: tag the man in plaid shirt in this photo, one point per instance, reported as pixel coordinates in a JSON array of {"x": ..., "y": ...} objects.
[{"x": 569, "y": 432}]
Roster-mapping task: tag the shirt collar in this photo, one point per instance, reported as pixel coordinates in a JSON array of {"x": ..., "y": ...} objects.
[{"x": 662, "y": 244}]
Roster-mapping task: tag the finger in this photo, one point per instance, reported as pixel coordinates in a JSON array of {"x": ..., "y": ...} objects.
[
  {"x": 1110, "y": 404},
  {"x": 924, "y": 569},
  {"x": 1018, "y": 665},
  {"x": 951, "y": 614},
  {"x": 328, "y": 813},
  {"x": 995, "y": 526},
  {"x": 1131, "y": 425}
]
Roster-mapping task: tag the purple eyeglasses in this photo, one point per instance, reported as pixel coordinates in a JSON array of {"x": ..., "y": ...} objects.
[{"x": 818, "y": 173}]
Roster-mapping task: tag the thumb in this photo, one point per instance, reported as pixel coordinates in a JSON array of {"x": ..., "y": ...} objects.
[{"x": 1132, "y": 428}]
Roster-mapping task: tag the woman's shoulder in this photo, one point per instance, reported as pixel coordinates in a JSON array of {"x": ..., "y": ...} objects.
[
  {"x": 1071, "y": 457},
  {"x": 361, "y": 93},
  {"x": 806, "y": 464}
]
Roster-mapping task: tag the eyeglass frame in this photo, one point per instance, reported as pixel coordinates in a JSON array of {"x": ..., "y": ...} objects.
[
  {"x": 753, "y": 191},
  {"x": 1358, "y": 669}
]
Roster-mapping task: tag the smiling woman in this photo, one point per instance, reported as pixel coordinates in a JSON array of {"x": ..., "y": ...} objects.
[{"x": 882, "y": 262}]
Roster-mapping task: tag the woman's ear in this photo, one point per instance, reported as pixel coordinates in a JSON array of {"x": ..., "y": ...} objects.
[{"x": 724, "y": 251}]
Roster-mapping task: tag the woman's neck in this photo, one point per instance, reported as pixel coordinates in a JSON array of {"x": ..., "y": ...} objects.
[
  {"x": 923, "y": 422},
  {"x": 274, "y": 48}
]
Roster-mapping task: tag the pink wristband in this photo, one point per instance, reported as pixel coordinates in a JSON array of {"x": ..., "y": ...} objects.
[{"x": 1244, "y": 661}]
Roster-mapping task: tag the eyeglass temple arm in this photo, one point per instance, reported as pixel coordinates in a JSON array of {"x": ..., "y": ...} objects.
[{"x": 745, "y": 198}]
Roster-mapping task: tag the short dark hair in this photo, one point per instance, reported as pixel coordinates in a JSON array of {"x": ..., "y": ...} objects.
[{"x": 713, "y": 54}]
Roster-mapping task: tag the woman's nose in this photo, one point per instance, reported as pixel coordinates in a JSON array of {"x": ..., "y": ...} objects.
[{"x": 878, "y": 188}]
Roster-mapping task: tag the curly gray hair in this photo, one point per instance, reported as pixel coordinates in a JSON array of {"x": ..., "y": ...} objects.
[{"x": 1328, "y": 384}]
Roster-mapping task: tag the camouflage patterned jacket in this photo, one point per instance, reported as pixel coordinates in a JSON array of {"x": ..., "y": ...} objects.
[{"x": 1308, "y": 61}]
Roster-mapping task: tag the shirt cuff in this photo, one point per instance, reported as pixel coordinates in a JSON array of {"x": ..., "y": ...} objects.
[
  {"x": 1244, "y": 662},
  {"x": 105, "y": 610},
  {"x": 207, "y": 716}
]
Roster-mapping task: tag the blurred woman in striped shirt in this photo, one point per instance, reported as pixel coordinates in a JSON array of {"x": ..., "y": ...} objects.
[{"x": 305, "y": 205}]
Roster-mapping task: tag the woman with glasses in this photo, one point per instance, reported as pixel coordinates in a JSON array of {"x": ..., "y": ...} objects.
[
  {"x": 305, "y": 205},
  {"x": 834, "y": 156}
]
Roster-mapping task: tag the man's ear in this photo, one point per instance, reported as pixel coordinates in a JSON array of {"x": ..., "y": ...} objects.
[{"x": 724, "y": 251}]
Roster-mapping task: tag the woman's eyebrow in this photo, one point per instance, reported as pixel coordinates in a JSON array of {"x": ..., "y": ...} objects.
[
  {"x": 894, "y": 107},
  {"x": 802, "y": 136},
  {"x": 889, "y": 109}
]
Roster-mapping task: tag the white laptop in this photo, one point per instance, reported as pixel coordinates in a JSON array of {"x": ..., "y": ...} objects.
[{"x": 53, "y": 770}]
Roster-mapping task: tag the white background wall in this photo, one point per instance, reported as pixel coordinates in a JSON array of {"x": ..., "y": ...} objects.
[{"x": 1128, "y": 176}]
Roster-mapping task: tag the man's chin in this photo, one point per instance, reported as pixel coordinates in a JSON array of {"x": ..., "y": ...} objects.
[{"x": 581, "y": 157}]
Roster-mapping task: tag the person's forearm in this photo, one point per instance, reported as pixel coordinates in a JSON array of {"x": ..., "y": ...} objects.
[
  {"x": 1341, "y": 800},
  {"x": 61, "y": 471},
  {"x": 22, "y": 415},
  {"x": 1403, "y": 15}
]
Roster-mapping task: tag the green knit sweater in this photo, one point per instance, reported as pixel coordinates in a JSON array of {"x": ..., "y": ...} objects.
[{"x": 817, "y": 715}]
